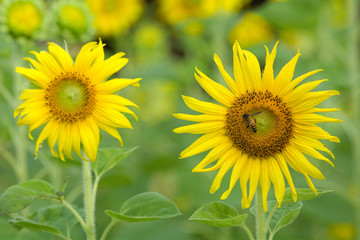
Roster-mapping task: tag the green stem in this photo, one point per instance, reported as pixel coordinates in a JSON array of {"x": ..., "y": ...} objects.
[
  {"x": 108, "y": 228},
  {"x": 267, "y": 223},
  {"x": 353, "y": 58},
  {"x": 75, "y": 213},
  {"x": 260, "y": 217},
  {"x": 247, "y": 230},
  {"x": 88, "y": 201},
  {"x": 19, "y": 135}
]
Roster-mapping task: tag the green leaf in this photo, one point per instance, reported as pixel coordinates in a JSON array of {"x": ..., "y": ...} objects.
[
  {"x": 34, "y": 226},
  {"x": 145, "y": 207},
  {"x": 218, "y": 214},
  {"x": 303, "y": 194},
  {"x": 283, "y": 216},
  {"x": 58, "y": 216},
  {"x": 19, "y": 196},
  {"x": 108, "y": 158}
]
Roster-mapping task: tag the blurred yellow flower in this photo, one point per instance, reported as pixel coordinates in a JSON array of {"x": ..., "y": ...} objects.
[
  {"x": 113, "y": 17},
  {"x": 250, "y": 30},
  {"x": 150, "y": 36},
  {"x": 74, "y": 20},
  {"x": 22, "y": 17},
  {"x": 73, "y": 99},
  {"x": 262, "y": 125},
  {"x": 174, "y": 11},
  {"x": 194, "y": 28},
  {"x": 342, "y": 231}
]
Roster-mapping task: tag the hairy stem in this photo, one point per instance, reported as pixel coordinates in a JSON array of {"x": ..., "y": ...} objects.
[
  {"x": 88, "y": 201},
  {"x": 260, "y": 217}
]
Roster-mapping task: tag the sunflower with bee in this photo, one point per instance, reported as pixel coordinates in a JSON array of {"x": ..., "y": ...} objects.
[{"x": 263, "y": 125}]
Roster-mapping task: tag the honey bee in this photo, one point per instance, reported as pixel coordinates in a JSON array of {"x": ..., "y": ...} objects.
[{"x": 251, "y": 121}]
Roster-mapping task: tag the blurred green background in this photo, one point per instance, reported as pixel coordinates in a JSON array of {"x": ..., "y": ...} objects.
[{"x": 164, "y": 41}]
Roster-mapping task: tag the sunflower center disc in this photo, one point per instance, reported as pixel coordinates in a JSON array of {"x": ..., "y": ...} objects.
[
  {"x": 259, "y": 124},
  {"x": 70, "y": 97}
]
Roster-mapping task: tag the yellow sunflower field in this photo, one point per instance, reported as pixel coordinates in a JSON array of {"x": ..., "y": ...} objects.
[{"x": 180, "y": 119}]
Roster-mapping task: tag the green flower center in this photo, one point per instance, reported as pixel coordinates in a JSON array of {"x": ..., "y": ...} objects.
[
  {"x": 259, "y": 124},
  {"x": 70, "y": 97}
]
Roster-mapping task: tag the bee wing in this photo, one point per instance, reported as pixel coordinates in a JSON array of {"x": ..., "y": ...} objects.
[{"x": 256, "y": 113}]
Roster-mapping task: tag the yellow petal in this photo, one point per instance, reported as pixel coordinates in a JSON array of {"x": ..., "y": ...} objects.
[
  {"x": 253, "y": 68},
  {"x": 204, "y": 107},
  {"x": 236, "y": 173},
  {"x": 112, "y": 131},
  {"x": 244, "y": 179},
  {"x": 200, "y": 128},
  {"x": 200, "y": 118},
  {"x": 108, "y": 67},
  {"x": 89, "y": 138},
  {"x": 229, "y": 154},
  {"x": 49, "y": 127},
  {"x": 284, "y": 78},
  {"x": 86, "y": 57},
  {"x": 268, "y": 75},
  {"x": 234, "y": 87},
  {"x": 314, "y": 143},
  {"x": 254, "y": 178},
  {"x": 61, "y": 56},
  {"x": 35, "y": 76},
  {"x": 313, "y": 118},
  {"x": 203, "y": 144},
  {"x": 214, "y": 89},
  {"x": 277, "y": 180},
  {"x": 220, "y": 175},
  {"x": 111, "y": 98},
  {"x": 284, "y": 168},
  {"x": 299, "y": 163},
  {"x": 115, "y": 85},
  {"x": 265, "y": 182},
  {"x": 299, "y": 92},
  {"x": 310, "y": 100},
  {"x": 301, "y": 78},
  {"x": 313, "y": 131},
  {"x": 309, "y": 150},
  {"x": 212, "y": 156}
]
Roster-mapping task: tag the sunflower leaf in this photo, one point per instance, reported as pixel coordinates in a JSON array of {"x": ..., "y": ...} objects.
[
  {"x": 283, "y": 216},
  {"x": 145, "y": 207},
  {"x": 58, "y": 216},
  {"x": 108, "y": 158},
  {"x": 34, "y": 226},
  {"x": 218, "y": 214},
  {"x": 19, "y": 196},
  {"x": 303, "y": 194}
]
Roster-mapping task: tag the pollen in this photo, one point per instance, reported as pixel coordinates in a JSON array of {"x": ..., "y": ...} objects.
[
  {"x": 70, "y": 97},
  {"x": 273, "y": 120}
]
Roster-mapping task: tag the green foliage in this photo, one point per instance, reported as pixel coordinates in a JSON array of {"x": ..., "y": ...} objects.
[
  {"x": 284, "y": 216},
  {"x": 58, "y": 216},
  {"x": 34, "y": 226},
  {"x": 145, "y": 207},
  {"x": 303, "y": 194},
  {"x": 56, "y": 220},
  {"x": 218, "y": 214},
  {"x": 19, "y": 196},
  {"x": 108, "y": 158}
]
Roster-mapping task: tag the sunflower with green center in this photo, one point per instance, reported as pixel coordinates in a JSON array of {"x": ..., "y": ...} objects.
[
  {"x": 262, "y": 125},
  {"x": 73, "y": 99}
]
